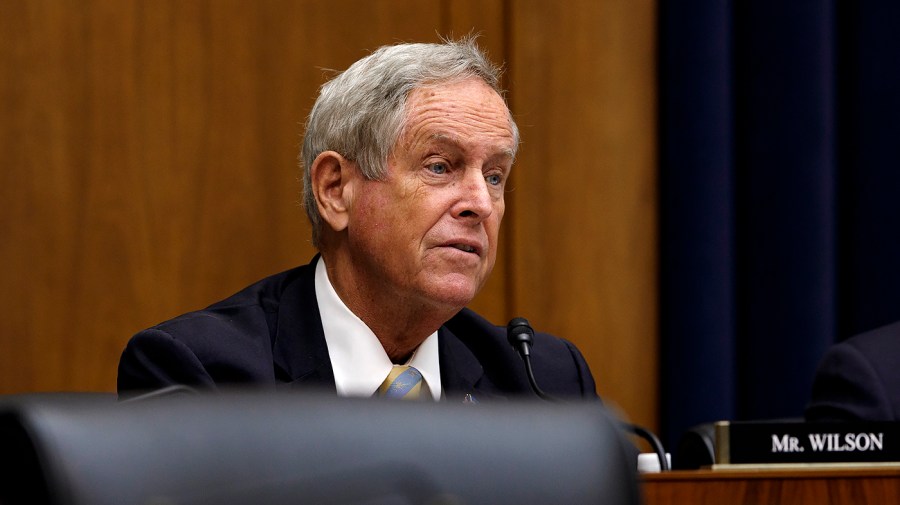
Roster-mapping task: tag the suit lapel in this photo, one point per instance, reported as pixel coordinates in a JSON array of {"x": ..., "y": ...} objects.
[
  {"x": 299, "y": 351},
  {"x": 461, "y": 372}
]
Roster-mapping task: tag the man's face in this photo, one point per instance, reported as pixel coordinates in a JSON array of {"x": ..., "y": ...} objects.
[{"x": 427, "y": 233}]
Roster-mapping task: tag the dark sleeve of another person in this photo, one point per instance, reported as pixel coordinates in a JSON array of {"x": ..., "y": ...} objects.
[{"x": 859, "y": 379}]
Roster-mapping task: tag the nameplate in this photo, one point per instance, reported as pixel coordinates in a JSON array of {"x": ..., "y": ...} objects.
[{"x": 750, "y": 442}]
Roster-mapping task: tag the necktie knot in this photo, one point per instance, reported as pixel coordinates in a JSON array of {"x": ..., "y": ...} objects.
[{"x": 403, "y": 382}]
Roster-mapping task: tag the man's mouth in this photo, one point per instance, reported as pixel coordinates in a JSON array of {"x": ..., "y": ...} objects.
[{"x": 464, "y": 248}]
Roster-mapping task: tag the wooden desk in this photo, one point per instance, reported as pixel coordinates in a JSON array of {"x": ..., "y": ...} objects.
[{"x": 774, "y": 487}]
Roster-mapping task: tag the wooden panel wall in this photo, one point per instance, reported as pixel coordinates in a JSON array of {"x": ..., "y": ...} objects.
[
  {"x": 148, "y": 167},
  {"x": 584, "y": 229}
]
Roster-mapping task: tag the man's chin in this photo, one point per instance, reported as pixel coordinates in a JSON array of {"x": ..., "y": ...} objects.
[{"x": 455, "y": 293}]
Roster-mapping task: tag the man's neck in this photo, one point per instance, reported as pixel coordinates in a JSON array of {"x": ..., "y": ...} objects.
[{"x": 401, "y": 324}]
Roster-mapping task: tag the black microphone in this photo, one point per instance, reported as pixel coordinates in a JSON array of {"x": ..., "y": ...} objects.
[{"x": 520, "y": 335}]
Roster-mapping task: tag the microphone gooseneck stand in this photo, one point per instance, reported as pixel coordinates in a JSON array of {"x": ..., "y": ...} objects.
[{"x": 521, "y": 337}]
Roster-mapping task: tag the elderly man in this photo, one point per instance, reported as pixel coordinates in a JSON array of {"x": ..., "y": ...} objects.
[{"x": 406, "y": 157}]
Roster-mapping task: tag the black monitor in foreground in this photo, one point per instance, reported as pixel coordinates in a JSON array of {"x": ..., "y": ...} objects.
[{"x": 294, "y": 449}]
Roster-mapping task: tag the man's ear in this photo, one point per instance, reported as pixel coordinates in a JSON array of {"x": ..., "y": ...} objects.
[{"x": 330, "y": 175}]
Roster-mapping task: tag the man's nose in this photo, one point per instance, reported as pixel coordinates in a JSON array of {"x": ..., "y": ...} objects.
[{"x": 476, "y": 201}]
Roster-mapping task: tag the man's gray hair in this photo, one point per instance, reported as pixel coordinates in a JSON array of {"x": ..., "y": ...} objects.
[{"x": 361, "y": 112}]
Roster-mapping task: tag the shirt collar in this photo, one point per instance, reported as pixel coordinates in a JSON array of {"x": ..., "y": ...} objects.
[{"x": 357, "y": 357}]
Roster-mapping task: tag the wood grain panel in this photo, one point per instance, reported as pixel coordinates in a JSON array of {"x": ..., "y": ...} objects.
[
  {"x": 584, "y": 265},
  {"x": 811, "y": 486},
  {"x": 149, "y": 161}
]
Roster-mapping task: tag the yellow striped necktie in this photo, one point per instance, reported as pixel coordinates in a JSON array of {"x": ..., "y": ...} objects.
[{"x": 404, "y": 383}]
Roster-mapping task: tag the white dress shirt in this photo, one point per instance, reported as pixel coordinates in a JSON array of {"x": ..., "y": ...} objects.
[{"x": 359, "y": 361}]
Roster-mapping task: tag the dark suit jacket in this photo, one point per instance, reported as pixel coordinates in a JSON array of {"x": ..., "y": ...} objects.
[
  {"x": 859, "y": 379},
  {"x": 270, "y": 335}
]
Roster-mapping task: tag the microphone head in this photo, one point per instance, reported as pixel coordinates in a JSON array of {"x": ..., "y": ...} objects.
[{"x": 519, "y": 332}]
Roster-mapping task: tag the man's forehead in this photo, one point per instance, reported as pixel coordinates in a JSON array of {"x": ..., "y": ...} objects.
[
  {"x": 451, "y": 139},
  {"x": 472, "y": 94},
  {"x": 457, "y": 117}
]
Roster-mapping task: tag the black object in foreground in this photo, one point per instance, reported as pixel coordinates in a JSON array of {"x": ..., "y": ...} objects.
[{"x": 284, "y": 448}]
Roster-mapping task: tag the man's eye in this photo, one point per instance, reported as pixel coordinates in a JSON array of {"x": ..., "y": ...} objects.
[
  {"x": 494, "y": 180},
  {"x": 438, "y": 168}
]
